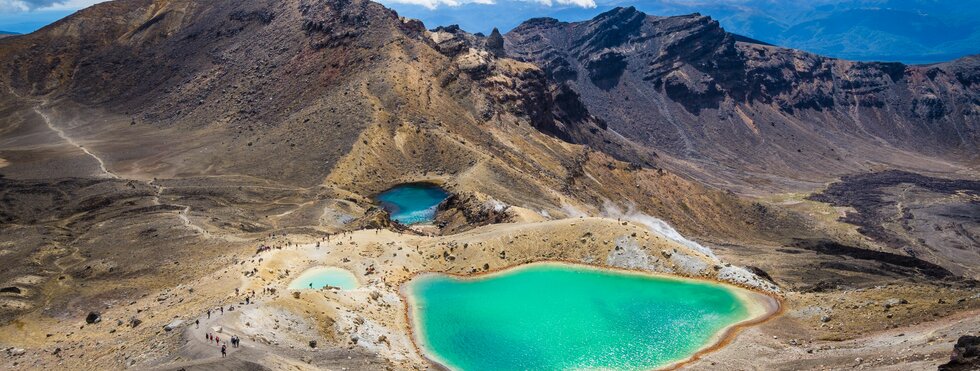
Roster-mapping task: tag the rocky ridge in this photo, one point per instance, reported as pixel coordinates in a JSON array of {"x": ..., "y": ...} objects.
[{"x": 744, "y": 115}]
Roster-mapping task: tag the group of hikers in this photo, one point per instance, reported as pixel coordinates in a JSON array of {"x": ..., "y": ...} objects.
[
  {"x": 263, "y": 247},
  {"x": 249, "y": 298},
  {"x": 235, "y": 342},
  {"x": 234, "y": 339}
]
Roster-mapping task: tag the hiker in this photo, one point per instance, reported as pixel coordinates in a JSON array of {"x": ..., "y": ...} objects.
[
  {"x": 222, "y": 309},
  {"x": 311, "y": 285},
  {"x": 208, "y": 336},
  {"x": 246, "y": 300},
  {"x": 224, "y": 351},
  {"x": 209, "y": 313},
  {"x": 217, "y": 340},
  {"x": 197, "y": 323}
]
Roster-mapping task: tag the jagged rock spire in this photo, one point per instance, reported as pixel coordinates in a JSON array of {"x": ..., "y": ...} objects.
[{"x": 495, "y": 43}]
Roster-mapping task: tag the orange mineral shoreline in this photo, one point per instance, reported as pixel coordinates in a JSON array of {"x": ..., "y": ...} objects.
[{"x": 762, "y": 307}]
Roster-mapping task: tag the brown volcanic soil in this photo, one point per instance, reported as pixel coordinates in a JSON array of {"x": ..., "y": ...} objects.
[
  {"x": 752, "y": 117},
  {"x": 149, "y": 148},
  {"x": 932, "y": 218}
]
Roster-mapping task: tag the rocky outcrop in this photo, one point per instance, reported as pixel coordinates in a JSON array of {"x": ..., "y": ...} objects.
[
  {"x": 376, "y": 218},
  {"x": 747, "y": 110},
  {"x": 966, "y": 355},
  {"x": 524, "y": 89},
  {"x": 495, "y": 43},
  {"x": 467, "y": 211}
]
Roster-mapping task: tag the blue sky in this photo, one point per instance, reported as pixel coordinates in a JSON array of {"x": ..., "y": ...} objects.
[{"x": 24, "y": 16}]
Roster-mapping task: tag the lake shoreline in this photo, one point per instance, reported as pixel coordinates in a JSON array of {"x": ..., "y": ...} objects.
[
  {"x": 401, "y": 202},
  {"x": 761, "y": 306}
]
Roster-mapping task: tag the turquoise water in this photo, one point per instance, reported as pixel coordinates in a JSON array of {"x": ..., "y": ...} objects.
[
  {"x": 565, "y": 317},
  {"x": 317, "y": 278},
  {"x": 412, "y": 203}
]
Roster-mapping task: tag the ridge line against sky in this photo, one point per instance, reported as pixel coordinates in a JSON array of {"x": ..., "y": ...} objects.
[
  {"x": 909, "y": 31},
  {"x": 46, "y": 5}
]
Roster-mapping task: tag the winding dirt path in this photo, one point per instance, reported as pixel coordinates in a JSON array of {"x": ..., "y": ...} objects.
[
  {"x": 181, "y": 215},
  {"x": 61, "y": 133}
]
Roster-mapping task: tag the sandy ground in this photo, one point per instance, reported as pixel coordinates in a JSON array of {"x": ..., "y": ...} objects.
[
  {"x": 367, "y": 328},
  {"x": 919, "y": 347}
]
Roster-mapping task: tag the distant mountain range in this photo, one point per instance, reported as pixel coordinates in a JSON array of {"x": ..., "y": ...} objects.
[{"x": 909, "y": 31}]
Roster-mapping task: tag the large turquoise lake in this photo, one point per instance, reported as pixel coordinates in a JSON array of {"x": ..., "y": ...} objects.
[
  {"x": 412, "y": 203},
  {"x": 552, "y": 316}
]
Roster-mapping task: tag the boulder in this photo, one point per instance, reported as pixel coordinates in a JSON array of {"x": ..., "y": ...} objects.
[
  {"x": 93, "y": 318},
  {"x": 173, "y": 325},
  {"x": 893, "y": 302},
  {"x": 965, "y": 356},
  {"x": 761, "y": 273}
]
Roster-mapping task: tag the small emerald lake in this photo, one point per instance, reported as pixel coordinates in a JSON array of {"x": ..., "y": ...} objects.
[
  {"x": 554, "y": 316},
  {"x": 412, "y": 203},
  {"x": 318, "y": 278}
]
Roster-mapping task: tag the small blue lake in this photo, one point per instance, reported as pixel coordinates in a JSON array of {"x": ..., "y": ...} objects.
[
  {"x": 412, "y": 203},
  {"x": 318, "y": 278}
]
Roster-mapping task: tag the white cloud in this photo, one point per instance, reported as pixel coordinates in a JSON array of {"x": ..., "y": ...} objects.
[
  {"x": 74, "y": 4},
  {"x": 579, "y": 3},
  {"x": 17, "y": 6},
  {"x": 433, "y": 4}
]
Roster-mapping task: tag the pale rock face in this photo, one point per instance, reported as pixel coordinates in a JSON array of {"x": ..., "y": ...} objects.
[
  {"x": 743, "y": 277},
  {"x": 440, "y": 36},
  {"x": 628, "y": 254},
  {"x": 474, "y": 61}
]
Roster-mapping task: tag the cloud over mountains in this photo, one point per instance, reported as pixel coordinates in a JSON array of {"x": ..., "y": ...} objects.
[
  {"x": 433, "y": 4},
  {"x": 29, "y": 5}
]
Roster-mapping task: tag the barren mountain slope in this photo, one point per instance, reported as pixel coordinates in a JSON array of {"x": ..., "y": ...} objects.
[
  {"x": 748, "y": 116},
  {"x": 163, "y": 158},
  {"x": 311, "y": 92}
]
